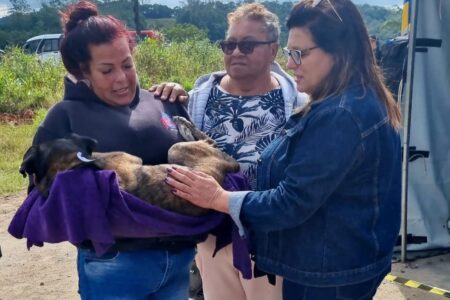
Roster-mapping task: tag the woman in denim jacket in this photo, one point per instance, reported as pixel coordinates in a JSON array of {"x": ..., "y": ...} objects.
[{"x": 327, "y": 212}]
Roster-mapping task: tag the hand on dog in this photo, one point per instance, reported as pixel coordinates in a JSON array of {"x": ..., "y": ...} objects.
[{"x": 198, "y": 188}]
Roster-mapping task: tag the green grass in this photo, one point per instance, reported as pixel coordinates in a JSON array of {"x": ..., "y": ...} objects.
[{"x": 14, "y": 141}]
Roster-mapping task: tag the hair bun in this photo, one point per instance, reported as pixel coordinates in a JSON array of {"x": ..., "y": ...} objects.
[{"x": 77, "y": 13}]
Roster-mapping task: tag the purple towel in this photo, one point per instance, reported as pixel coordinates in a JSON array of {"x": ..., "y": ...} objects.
[{"x": 85, "y": 204}]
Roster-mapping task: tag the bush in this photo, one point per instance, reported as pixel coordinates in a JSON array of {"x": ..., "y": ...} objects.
[
  {"x": 181, "y": 62},
  {"x": 26, "y": 83},
  {"x": 184, "y": 32}
]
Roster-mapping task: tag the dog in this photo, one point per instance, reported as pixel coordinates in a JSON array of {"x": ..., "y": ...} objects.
[{"x": 199, "y": 152}]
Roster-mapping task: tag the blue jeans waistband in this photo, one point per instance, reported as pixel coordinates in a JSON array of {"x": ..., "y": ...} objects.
[{"x": 174, "y": 244}]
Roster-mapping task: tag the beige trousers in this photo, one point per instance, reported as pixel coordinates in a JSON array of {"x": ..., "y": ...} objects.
[{"x": 222, "y": 281}]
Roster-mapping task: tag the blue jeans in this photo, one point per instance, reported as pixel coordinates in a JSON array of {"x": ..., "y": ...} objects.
[
  {"x": 140, "y": 274},
  {"x": 360, "y": 291}
]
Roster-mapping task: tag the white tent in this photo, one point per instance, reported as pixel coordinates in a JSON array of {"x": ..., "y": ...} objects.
[{"x": 426, "y": 136}]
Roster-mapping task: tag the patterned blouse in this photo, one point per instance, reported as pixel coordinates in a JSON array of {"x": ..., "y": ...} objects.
[{"x": 243, "y": 126}]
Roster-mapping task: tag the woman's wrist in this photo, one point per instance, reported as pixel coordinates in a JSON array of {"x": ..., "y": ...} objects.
[{"x": 221, "y": 203}]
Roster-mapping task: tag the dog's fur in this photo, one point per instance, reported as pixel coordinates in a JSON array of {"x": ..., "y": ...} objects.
[{"x": 43, "y": 161}]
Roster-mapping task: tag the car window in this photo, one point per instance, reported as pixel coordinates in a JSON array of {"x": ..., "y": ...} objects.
[
  {"x": 50, "y": 45},
  {"x": 31, "y": 47}
]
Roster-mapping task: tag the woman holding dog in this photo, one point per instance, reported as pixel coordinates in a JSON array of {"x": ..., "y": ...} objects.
[
  {"x": 102, "y": 100},
  {"x": 327, "y": 211}
]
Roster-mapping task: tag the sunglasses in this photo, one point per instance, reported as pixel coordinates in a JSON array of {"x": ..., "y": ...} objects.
[
  {"x": 296, "y": 55},
  {"x": 245, "y": 47},
  {"x": 316, "y": 2}
]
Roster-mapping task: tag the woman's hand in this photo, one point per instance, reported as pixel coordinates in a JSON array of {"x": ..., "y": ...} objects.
[
  {"x": 198, "y": 188},
  {"x": 171, "y": 91}
]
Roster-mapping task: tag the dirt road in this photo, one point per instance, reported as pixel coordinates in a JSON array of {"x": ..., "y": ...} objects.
[
  {"x": 50, "y": 272},
  {"x": 41, "y": 273}
]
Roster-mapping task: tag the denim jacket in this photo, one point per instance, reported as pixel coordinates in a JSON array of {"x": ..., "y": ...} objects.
[{"x": 328, "y": 210}]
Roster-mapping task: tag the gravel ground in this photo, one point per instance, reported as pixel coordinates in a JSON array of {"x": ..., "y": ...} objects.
[{"x": 50, "y": 272}]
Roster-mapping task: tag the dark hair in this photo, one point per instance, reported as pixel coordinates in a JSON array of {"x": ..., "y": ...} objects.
[
  {"x": 339, "y": 30},
  {"x": 83, "y": 26}
]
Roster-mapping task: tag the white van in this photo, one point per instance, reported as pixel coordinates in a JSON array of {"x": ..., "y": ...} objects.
[{"x": 46, "y": 46}]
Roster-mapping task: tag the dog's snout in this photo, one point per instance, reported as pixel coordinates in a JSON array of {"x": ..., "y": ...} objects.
[{"x": 22, "y": 171}]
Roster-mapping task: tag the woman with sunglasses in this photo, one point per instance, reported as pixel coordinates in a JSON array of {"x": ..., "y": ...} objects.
[
  {"x": 242, "y": 108},
  {"x": 327, "y": 213}
]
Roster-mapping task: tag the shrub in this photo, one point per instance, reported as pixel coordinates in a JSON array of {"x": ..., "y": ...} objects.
[
  {"x": 182, "y": 62},
  {"x": 26, "y": 83},
  {"x": 184, "y": 32}
]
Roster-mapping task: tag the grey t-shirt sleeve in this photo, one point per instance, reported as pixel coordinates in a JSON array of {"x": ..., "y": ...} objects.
[{"x": 235, "y": 201}]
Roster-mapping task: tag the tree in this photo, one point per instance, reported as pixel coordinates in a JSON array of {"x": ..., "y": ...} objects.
[
  {"x": 121, "y": 10},
  {"x": 282, "y": 10},
  {"x": 20, "y": 6},
  {"x": 136, "y": 12},
  {"x": 390, "y": 28},
  {"x": 58, "y": 4},
  {"x": 156, "y": 11},
  {"x": 183, "y": 32},
  {"x": 210, "y": 16},
  {"x": 380, "y": 21},
  {"x": 16, "y": 28}
]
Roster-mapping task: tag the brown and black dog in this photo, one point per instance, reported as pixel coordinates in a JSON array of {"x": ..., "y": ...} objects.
[{"x": 198, "y": 152}]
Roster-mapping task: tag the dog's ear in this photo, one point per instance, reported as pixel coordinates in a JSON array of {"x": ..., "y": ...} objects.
[
  {"x": 185, "y": 128},
  {"x": 29, "y": 161},
  {"x": 85, "y": 143},
  {"x": 189, "y": 132}
]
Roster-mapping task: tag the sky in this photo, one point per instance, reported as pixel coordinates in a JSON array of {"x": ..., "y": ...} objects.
[{"x": 5, "y": 4}]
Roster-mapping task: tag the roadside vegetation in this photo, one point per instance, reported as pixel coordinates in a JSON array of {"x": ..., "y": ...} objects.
[
  {"x": 188, "y": 50},
  {"x": 181, "y": 62},
  {"x": 29, "y": 85},
  {"x": 26, "y": 83},
  {"x": 205, "y": 18}
]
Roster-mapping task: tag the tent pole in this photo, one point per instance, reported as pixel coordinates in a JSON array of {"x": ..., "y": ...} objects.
[{"x": 407, "y": 125}]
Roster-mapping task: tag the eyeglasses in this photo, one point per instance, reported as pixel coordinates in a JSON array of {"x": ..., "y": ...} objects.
[
  {"x": 316, "y": 2},
  {"x": 245, "y": 47},
  {"x": 297, "y": 55}
]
